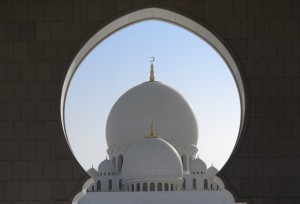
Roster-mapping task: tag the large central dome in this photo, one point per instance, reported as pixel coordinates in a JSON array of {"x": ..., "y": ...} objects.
[{"x": 146, "y": 103}]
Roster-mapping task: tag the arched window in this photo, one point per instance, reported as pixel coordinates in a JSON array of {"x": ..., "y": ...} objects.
[
  {"x": 98, "y": 185},
  {"x": 138, "y": 187},
  {"x": 194, "y": 184},
  {"x": 144, "y": 186},
  {"x": 159, "y": 187},
  {"x": 184, "y": 161},
  {"x": 132, "y": 187},
  {"x": 172, "y": 187},
  {"x": 152, "y": 186},
  {"x": 217, "y": 187},
  {"x": 120, "y": 184},
  {"x": 93, "y": 188},
  {"x": 183, "y": 184},
  {"x": 211, "y": 187},
  {"x": 109, "y": 184},
  {"x": 120, "y": 162},
  {"x": 114, "y": 161},
  {"x": 166, "y": 187},
  {"x": 205, "y": 184}
]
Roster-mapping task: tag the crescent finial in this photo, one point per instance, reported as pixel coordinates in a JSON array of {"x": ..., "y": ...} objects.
[{"x": 152, "y": 78}]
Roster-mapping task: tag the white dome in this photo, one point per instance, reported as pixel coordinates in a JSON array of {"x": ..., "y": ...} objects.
[
  {"x": 212, "y": 171},
  {"x": 93, "y": 173},
  {"x": 106, "y": 166},
  {"x": 146, "y": 103},
  {"x": 198, "y": 166},
  {"x": 151, "y": 159}
]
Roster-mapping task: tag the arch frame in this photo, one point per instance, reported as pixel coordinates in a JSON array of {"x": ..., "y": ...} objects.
[{"x": 185, "y": 21}]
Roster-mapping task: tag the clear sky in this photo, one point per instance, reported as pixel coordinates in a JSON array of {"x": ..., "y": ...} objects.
[{"x": 183, "y": 61}]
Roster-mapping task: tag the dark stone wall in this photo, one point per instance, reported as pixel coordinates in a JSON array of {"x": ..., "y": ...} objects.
[{"x": 38, "y": 40}]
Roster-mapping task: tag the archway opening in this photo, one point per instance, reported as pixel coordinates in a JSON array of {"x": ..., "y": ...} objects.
[{"x": 170, "y": 17}]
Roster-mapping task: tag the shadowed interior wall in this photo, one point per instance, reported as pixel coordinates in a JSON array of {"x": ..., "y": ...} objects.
[{"x": 39, "y": 39}]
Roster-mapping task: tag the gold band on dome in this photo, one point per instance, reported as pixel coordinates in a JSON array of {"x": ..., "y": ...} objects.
[{"x": 152, "y": 132}]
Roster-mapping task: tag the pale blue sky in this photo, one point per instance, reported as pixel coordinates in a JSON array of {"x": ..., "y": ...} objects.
[{"x": 183, "y": 61}]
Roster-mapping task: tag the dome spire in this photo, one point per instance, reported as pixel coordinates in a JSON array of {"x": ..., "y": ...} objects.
[
  {"x": 152, "y": 78},
  {"x": 152, "y": 132}
]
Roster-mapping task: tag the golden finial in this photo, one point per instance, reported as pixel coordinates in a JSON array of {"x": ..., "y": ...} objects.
[
  {"x": 152, "y": 78},
  {"x": 152, "y": 132}
]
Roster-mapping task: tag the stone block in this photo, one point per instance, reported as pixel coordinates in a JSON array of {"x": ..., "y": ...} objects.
[
  {"x": 13, "y": 109},
  {"x": 255, "y": 167},
  {"x": 13, "y": 70},
  {"x": 13, "y": 31},
  {"x": 50, "y": 90},
  {"x": 284, "y": 48},
  {"x": 65, "y": 11},
  {"x": 277, "y": 67},
  {"x": 20, "y": 11},
  {"x": 292, "y": 67},
  {"x": 296, "y": 87},
  {"x": 28, "y": 150},
  {"x": 292, "y": 107},
  {"x": 285, "y": 8},
  {"x": 28, "y": 110},
  {"x": 51, "y": 130},
  {"x": 277, "y": 147},
  {"x": 66, "y": 50},
  {"x": 6, "y": 51},
  {"x": 20, "y": 170},
  {"x": 2, "y": 31},
  {"x": 268, "y": 128},
  {"x": 270, "y": 167},
  {"x": 21, "y": 90},
  {"x": 262, "y": 107},
  {"x": 43, "y": 110},
  {"x": 72, "y": 31},
  {"x": 219, "y": 26},
  {"x": 292, "y": 146},
  {"x": 58, "y": 31},
  {"x": 255, "y": 127},
  {"x": 270, "y": 87},
  {"x": 278, "y": 187},
  {"x": 42, "y": 190},
  {"x": 35, "y": 11},
  {"x": 277, "y": 107},
  {"x": 285, "y": 127},
  {"x": 296, "y": 127},
  {"x": 296, "y": 47},
  {"x": 50, "y": 169},
  {"x": 12, "y": 190},
  {"x": 249, "y": 67},
  {"x": 233, "y": 29},
  {"x": 36, "y": 51},
  {"x": 285, "y": 87},
  {"x": 35, "y": 170},
  {"x": 2, "y": 110},
  {"x": 36, "y": 90},
  {"x": 270, "y": 8},
  {"x": 43, "y": 31},
  {"x": 50, "y": 11},
  {"x": 285, "y": 167},
  {"x": 254, "y": 9},
  {"x": 51, "y": 51},
  {"x": 269, "y": 48},
  {"x": 239, "y": 47},
  {"x": 36, "y": 130},
  {"x": 28, "y": 70},
  {"x": 247, "y": 28},
  {"x": 21, "y": 130},
  {"x": 196, "y": 9},
  {"x": 263, "y": 187},
  {"x": 6, "y": 11},
  {"x": 6, "y": 130},
  {"x": 80, "y": 11},
  {"x": 6, "y": 90},
  {"x": 291, "y": 28},
  {"x": 241, "y": 167},
  {"x": 255, "y": 48},
  {"x": 247, "y": 148},
  {"x": 59, "y": 150},
  {"x": 255, "y": 87},
  {"x": 210, "y": 9},
  {"x": 225, "y": 9},
  {"x": 43, "y": 70},
  {"x": 108, "y": 9},
  {"x": 263, "y": 147},
  {"x": 27, "y": 190},
  {"x": 292, "y": 189},
  {"x": 6, "y": 169},
  {"x": 58, "y": 190},
  {"x": 248, "y": 187},
  {"x": 276, "y": 28},
  {"x": 262, "y": 68},
  {"x": 43, "y": 150},
  {"x": 262, "y": 28},
  {"x": 65, "y": 169},
  {"x": 28, "y": 31},
  {"x": 21, "y": 51}
]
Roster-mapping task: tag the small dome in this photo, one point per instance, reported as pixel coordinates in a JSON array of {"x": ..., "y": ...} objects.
[
  {"x": 151, "y": 159},
  {"x": 151, "y": 101},
  {"x": 106, "y": 166},
  {"x": 93, "y": 173},
  {"x": 212, "y": 171},
  {"x": 198, "y": 166}
]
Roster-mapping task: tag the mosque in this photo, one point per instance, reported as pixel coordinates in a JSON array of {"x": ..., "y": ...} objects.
[{"x": 152, "y": 133}]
